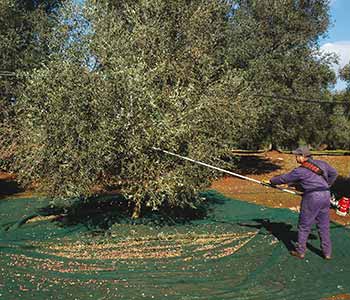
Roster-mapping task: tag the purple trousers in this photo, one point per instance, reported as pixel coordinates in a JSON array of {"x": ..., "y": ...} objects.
[{"x": 314, "y": 210}]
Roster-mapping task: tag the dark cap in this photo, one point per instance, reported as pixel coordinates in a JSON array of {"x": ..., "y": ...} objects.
[{"x": 304, "y": 151}]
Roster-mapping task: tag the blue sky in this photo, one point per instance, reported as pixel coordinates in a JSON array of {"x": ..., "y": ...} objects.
[{"x": 338, "y": 40}]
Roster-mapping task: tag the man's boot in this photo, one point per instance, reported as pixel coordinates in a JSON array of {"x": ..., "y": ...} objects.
[{"x": 297, "y": 254}]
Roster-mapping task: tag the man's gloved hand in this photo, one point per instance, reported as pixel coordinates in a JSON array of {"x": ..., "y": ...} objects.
[{"x": 266, "y": 182}]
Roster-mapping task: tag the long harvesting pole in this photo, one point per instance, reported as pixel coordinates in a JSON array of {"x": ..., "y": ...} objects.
[{"x": 228, "y": 172}]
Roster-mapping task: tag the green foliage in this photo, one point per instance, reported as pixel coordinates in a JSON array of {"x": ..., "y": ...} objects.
[
  {"x": 339, "y": 116},
  {"x": 156, "y": 75},
  {"x": 275, "y": 43},
  {"x": 115, "y": 78},
  {"x": 345, "y": 75},
  {"x": 339, "y": 137},
  {"x": 339, "y": 122},
  {"x": 24, "y": 29}
]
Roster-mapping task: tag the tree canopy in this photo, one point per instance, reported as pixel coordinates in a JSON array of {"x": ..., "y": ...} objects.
[
  {"x": 345, "y": 75},
  {"x": 107, "y": 81},
  {"x": 24, "y": 33},
  {"x": 275, "y": 43}
]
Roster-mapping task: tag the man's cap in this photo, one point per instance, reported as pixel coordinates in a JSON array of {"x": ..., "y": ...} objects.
[{"x": 302, "y": 151}]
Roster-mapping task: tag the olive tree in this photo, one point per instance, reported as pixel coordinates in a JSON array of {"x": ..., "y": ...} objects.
[
  {"x": 24, "y": 32},
  {"x": 276, "y": 45},
  {"x": 125, "y": 77}
]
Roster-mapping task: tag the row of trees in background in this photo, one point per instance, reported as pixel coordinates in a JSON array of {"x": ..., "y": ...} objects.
[{"x": 96, "y": 86}]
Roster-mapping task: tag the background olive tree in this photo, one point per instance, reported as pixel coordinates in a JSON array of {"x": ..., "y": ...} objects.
[
  {"x": 338, "y": 133},
  {"x": 276, "y": 45},
  {"x": 345, "y": 75}
]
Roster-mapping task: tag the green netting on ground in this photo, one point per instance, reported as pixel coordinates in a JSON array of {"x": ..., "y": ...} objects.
[{"x": 238, "y": 251}]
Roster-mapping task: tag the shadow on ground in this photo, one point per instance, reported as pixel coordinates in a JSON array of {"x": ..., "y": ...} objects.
[
  {"x": 252, "y": 164},
  {"x": 341, "y": 187},
  {"x": 284, "y": 233},
  {"x": 9, "y": 187},
  {"x": 101, "y": 213}
]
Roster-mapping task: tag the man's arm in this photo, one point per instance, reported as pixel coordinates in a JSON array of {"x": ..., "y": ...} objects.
[
  {"x": 290, "y": 177},
  {"x": 332, "y": 175}
]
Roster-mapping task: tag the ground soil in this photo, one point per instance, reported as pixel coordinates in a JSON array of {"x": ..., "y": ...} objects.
[
  {"x": 266, "y": 165},
  {"x": 6, "y": 176},
  {"x": 338, "y": 297}
]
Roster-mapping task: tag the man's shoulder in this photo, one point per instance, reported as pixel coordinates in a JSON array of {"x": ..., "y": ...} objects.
[
  {"x": 320, "y": 162},
  {"x": 323, "y": 164},
  {"x": 299, "y": 169}
]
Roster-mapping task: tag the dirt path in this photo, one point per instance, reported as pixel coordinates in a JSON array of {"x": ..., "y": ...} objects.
[{"x": 266, "y": 165}]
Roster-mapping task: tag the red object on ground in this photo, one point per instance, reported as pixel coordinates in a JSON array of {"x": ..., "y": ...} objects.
[{"x": 343, "y": 206}]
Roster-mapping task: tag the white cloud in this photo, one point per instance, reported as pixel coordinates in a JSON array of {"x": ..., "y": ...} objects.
[{"x": 341, "y": 48}]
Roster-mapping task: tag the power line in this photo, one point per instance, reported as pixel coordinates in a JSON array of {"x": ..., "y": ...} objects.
[
  {"x": 7, "y": 73},
  {"x": 298, "y": 99}
]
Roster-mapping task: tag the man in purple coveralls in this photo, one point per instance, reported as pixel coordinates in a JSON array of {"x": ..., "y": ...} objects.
[{"x": 315, "y": 178}]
